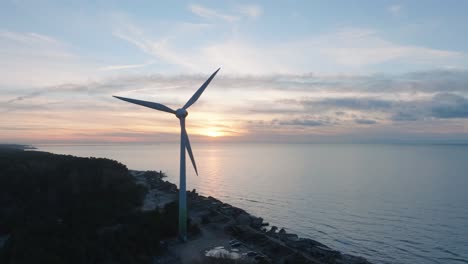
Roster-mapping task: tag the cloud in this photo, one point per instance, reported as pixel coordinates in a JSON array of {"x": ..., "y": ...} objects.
[
  {"x": 209, "y": 13},
  {"x": 252, "y": 11},
  {"x": 32, "y": 59},
  {"x": 438, "y": 106},
  {"x": 350, "y": 103},
  {"x": 160, "y": 49},
  {"x": 395, "y": 9},
  {"x": 346, "y": 50},
  {"x": 28, "y": 38},
  {"x": 360, "y": 47},
  {"x": 298, "y": 105},
  {"x": 301, "y": 122},
  {"x": 124, "y": 67},
  {"x": 447, "y": 105},
  {"x": 404, "y": 116},
  {"x": 365, "y": 121},
  {"x": 318, "y": 83}
]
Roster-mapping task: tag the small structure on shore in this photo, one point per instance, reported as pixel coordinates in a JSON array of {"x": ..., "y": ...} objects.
[{"x": 181, "y": 114}]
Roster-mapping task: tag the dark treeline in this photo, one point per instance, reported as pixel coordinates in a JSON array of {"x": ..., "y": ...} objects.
[{"x": 64, "y": 209}]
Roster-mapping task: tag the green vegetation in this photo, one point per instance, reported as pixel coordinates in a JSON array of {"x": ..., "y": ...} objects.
[{"x": 64, "y": 209}]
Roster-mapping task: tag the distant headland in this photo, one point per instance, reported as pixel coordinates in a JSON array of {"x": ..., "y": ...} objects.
[{"x": 16, "y": 146}]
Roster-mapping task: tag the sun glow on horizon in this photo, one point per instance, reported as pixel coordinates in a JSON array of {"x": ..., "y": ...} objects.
[{"x": 213, "y": 133}]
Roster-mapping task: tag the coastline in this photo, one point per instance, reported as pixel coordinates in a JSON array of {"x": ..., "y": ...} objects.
[
  {"x": 230, "y": 232},
  {"x": 224, "y": 233}
]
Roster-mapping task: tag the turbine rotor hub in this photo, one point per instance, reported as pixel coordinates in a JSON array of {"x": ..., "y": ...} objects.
[{"x": 181, "y": 113}]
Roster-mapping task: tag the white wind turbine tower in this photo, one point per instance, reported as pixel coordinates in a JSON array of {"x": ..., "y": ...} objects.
[{"x": 181, "y": 113}]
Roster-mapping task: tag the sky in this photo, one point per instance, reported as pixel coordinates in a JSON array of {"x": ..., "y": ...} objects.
[{"x": 291, "y": 71}]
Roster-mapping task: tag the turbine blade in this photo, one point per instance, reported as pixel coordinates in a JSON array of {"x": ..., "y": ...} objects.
[
  {"x": 200, "y": 90},
  {"x": 151, "y": 105},
  {"x": 189, "y": 150}
]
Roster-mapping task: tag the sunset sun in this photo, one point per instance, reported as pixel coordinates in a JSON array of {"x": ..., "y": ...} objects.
[{"x": 213, "y": 133}]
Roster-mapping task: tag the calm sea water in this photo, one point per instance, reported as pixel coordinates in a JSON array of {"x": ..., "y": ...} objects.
[{"x": 388, "y": 203}]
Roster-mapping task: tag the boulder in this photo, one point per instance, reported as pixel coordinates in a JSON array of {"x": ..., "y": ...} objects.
[
  {"x": 290, "y": 237},
  {"x": 272, "y": 230},
  {"x": 243, "y": 219},
  {"x": 256, "y": 222}
]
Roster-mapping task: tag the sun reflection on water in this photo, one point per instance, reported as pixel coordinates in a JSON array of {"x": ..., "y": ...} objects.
[{"x": 211, "y": 178}]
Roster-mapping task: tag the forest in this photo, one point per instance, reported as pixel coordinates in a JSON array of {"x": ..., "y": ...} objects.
[{"x": 65, "y": 209}]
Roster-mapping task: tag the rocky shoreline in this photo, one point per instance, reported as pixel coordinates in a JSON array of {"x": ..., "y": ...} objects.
[{"x": 230, "y": 232}]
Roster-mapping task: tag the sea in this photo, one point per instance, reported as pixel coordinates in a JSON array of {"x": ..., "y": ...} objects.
[{"x": 390, "y": 203}]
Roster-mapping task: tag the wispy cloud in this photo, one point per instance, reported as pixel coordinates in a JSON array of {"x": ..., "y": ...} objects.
[
  {"x": 395, "y": 9},
  {"x": 241, "y": 11},
  {"x": 252, "y": 11},
  {"x": 209, "y": 13},
  {"x": 29, "y": 38},
  {"x": 364, "y": 47},
  {"x": 33, "y": 59},
  {"x": 33, "y": 45},
  {"x": 124, "y": 67},
  {"x": 346, "y": 50}
]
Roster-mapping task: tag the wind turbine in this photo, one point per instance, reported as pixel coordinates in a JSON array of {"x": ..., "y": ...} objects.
[{"x": 180, "y": 113}]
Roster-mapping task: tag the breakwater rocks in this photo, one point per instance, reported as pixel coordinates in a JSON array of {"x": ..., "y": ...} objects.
[
  {"x": 250, "y": 234},
  {"x": 276, "y": 246}
]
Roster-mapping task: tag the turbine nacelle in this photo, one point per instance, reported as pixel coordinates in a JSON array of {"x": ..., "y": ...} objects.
[{"x": 181, "y": 113}]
